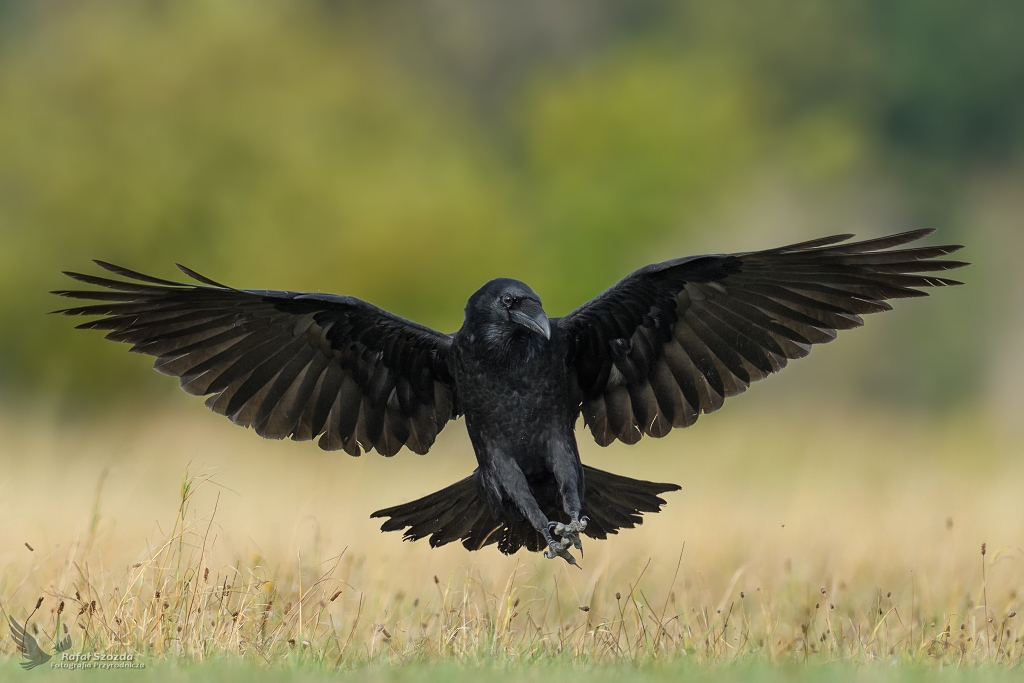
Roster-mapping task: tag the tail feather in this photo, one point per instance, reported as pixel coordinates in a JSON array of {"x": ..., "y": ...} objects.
[
  {"x": 446, "y": 515},
  {"x": 460, "y": 513},
  {"x": 614, "y": 502},
  {"x": 515, "y": 535}
]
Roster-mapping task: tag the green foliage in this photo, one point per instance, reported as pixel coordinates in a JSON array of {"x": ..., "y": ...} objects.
[
  {"x": 627, "y": 151},
  {"x": 253, "y": 145}
]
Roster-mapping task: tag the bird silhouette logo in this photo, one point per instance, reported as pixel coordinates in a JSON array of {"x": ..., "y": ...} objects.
[{"x": 29, "y": 647}]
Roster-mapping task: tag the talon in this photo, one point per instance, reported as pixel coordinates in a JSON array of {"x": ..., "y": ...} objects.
[
  {"x": 584, "y": 520},
  {"x": 560, "y": 549},
  {"x": 562, "y": 536},
  {"x": 567, "y": 556}
]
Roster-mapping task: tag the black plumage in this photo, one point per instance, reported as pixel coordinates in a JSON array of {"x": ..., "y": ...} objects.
[{"x": 667, "y": 343}]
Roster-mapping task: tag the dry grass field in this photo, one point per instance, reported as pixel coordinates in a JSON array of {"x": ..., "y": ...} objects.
[{"x": 832, "y": 537}]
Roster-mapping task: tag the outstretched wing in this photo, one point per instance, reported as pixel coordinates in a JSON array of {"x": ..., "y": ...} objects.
[
  {"x": 27, "y": 645},
  {"x": 674, "y": 339},
  {"x": 284, "y": 363}
]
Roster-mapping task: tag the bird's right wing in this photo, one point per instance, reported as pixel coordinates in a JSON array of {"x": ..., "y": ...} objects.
[
  {"x": 675, "y": 339},
  {"x": 284, "y": 363}
]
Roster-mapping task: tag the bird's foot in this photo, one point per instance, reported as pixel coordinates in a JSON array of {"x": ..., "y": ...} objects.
[
  {"x": 570, "y": 533},
  {"x": 560, "y": 548}
]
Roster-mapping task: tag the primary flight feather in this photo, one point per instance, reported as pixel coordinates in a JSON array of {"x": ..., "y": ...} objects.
[{"x": 667, "y": 343}]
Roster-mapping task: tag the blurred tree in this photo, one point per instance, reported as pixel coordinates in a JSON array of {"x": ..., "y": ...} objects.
[
  {"x": 625, "y": 151},
  {"x": 407, "y": 155},
  {"x": 254, "y": 143}
]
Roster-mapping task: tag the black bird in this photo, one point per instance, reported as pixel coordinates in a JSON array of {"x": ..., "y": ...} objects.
[{"x": 667, "y": 343}]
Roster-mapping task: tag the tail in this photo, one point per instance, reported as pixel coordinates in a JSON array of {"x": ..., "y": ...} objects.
[
  {"x": 460, "y": 513},
  {"x": 613, "y": 502},
  {"x": 455, "y": 513}
]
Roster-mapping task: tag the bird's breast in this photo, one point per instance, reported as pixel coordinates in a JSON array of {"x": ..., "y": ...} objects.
[{"x": 516, "y": 406}]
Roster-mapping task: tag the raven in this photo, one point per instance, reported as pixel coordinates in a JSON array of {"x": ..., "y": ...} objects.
[{"x": 667, "y": 343}]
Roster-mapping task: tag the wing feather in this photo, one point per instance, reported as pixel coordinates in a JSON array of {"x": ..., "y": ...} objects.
[
  {"x": 675, "y": 339},
  {"x": 284, "y": 363}
]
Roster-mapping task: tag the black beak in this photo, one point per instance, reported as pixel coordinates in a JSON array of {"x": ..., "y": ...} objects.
[{"x": 530, "y": 315}]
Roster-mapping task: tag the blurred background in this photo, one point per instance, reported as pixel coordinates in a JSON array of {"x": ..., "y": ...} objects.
[{"x": 407, "y": 153}]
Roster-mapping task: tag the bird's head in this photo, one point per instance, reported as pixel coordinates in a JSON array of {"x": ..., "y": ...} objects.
[{"x": 506, "y": 308}]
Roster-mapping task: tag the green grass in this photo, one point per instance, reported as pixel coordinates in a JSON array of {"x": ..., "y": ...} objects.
[{"x": 744, "y": 672}]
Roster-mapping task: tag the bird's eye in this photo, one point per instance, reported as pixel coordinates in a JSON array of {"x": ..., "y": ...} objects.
[{"x": 507, "y": 300}]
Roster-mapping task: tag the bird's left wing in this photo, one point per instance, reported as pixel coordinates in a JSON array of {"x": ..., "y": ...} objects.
[
  {"x": 675, "y": 339},
  {"x": 284, "y": 363}
]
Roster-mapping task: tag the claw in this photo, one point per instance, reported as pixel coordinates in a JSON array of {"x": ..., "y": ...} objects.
[
  {"x": 561, "y": 549},
  {"x": 567, "y": 556},
  {"x": 568, "y": 533}
]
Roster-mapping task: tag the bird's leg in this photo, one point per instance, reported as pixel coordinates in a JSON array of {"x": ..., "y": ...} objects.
[
  {"x": 511, "y": 483},
  {"x": 567, "y": 474}
]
